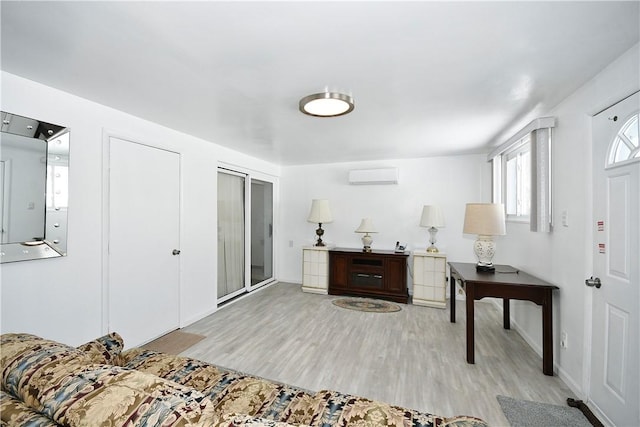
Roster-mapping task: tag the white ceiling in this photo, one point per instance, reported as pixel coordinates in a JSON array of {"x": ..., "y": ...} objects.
[{"x": 428, "y": 78}]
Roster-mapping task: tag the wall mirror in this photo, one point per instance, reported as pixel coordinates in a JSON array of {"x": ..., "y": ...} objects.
[{"x": 34, "y": 172}]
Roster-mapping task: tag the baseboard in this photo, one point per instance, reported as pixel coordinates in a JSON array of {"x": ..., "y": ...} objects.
[
  {"x": 575, "y": 387},
  {"x": 562, "y": 374},
  {"x": 599, "y": 414},
  {"x": 315, "y": 290},
  {"x": 200, "y": 316}
]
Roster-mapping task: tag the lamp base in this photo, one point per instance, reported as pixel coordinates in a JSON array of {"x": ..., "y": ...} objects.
[
  {"x": 484, "y": 248},
  {"x": 481, "y": 268},
  {"x": 366, "y": 243},
  {"x": 319, "y": 233},
  {"x": 432, "y": 233}
]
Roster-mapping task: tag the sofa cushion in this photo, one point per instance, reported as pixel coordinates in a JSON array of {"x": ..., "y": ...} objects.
[
  {"x": 182, "y": 370},
  {"x": 62, "y": 384},
  {"x": 15, "y": 413},
  {"x": 104, "y": 350},
  {"x": 235, "y": 420},
  {"x": 111, "y": 395},
  {"x": 348, "y": 410},
  {"x": 29, "y": 364},
  {"x": 231, "y": 391}
]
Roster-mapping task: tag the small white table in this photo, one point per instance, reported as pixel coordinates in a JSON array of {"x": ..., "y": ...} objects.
[
  {"x": 315, "y": 269},
  {"x": 429, "y": 279}
]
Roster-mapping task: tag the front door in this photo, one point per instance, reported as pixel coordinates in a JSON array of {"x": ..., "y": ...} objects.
[
  {"x": 615, "y": 342},
  {"x": 144, "y": 232}
]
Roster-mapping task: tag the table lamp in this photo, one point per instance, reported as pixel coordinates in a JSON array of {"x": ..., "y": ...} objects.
[
  {"x": 366, "y": 227},
  {"x": 432, "y": 218},
  {"x": 320, "y": 214},
  {"x": 485, "y": 220}
]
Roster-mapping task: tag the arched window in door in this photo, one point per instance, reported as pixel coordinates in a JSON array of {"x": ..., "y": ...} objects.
[{"x": 624, "y": 148}]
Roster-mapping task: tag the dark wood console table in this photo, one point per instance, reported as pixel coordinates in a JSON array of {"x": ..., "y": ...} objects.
[
  {"x": 375, "y": 274},
  {"x": 507, "y": 283}
]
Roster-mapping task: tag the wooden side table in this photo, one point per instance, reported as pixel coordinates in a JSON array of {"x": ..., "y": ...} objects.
[
  {"x": 507, "y": 283},
  {"x": 429, "y": 279},
  {"x": 315, "y": 269}
]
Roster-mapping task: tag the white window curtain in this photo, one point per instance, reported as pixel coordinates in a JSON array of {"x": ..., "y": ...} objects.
[
  {"x": 231, "y": 229},
  {"x": 540, "y": 132}
]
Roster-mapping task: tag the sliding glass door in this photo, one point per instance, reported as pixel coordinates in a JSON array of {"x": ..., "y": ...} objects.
[
  {"x": 261, "y": 232},
  {"x": 245, "y": 233},
  {"x": 231, "y": 235}
]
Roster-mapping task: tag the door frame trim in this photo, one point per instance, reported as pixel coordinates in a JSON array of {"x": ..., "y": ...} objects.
[{"x": 107, "y": 135}]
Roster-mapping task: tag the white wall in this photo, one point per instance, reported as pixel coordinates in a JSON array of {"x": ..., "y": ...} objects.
[
  {"x": 450, "y": 182},
  {"x": 62, "y": 298},
  {"x": 563, "y": 257}
]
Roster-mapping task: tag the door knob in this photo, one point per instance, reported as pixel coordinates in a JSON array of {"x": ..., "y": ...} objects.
[
  {"x": 177, "y": 252},
  {"x": 593, "y": 281}
]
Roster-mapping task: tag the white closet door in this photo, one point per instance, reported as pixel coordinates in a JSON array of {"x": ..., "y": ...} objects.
[{"x": 143, "y": 265}]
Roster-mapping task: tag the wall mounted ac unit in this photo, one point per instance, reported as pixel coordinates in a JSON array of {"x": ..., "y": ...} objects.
[{"x": 373, "y": 176}]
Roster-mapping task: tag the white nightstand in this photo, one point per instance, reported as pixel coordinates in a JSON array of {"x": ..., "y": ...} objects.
[
  {"x": 315, "y": 269},
  {"x": 429, "y": 279}
]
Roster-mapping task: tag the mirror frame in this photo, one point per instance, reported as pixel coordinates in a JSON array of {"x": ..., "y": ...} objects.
[{"x": 49, "y": 134}]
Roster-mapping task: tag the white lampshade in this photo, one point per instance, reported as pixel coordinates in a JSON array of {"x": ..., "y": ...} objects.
[
  {"x": 366, "y": 226},
  {"x": 484, "y": 219},
  {"x": 432, "y": 217},
  {"x": 320, "y": 212}
]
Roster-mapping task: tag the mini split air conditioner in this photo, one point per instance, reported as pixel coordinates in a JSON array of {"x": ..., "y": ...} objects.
[{"x": 373, "y": 176}]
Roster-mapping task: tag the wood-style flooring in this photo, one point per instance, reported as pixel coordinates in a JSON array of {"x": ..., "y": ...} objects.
[{"x": 413, "y": 358}]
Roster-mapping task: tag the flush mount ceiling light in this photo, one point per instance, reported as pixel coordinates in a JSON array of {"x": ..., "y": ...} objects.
[{"x": 327, "y": 104}]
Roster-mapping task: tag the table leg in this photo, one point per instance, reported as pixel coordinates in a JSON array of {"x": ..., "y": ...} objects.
[
  {"x": 470, "y": 321},
  {"x": 506, "y": 313},
  {"x": 547, "y": 333},
  {"x": 452, "y": 293}
]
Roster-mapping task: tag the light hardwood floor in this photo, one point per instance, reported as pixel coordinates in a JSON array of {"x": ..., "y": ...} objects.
[{"x": 413, "y": 358}]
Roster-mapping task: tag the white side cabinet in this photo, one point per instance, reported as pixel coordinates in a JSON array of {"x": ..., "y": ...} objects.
[
  {"x": 315, "y": 269},
  {"x": 429, "y": 279}
]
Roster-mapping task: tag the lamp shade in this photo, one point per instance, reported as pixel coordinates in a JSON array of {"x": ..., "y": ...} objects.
[
  {"x": 320, "y": 212},
  {"x": 432, "y": 217},
  {"x": 484, "y": 219},
  {"x": 366, "y": 226}
]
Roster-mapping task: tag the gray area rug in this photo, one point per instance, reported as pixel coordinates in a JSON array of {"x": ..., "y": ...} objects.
[{"x": 524, "y": 413}]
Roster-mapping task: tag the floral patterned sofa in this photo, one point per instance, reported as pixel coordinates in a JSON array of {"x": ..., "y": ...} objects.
[{"x": 45, "y": 383}]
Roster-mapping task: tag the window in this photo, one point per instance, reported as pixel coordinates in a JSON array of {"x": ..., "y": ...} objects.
[
  {"x": 516, "y": 187},
  {"x": 625, "y": 146},
  {"x": 522, "y": 175}
]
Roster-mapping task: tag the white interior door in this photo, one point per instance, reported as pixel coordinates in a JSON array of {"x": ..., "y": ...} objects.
[
  {"x": 143, "y": 270},
  {"x": 615, "y": 347}
]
